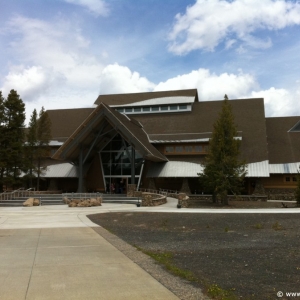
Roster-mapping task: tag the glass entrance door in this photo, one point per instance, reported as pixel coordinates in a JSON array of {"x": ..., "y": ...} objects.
[{"x": 116, "y": 165}]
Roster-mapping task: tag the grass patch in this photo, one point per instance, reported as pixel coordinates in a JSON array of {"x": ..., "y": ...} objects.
[
  {"x": 215, "y": 292},
  {"x": 165, "y": 258},
  {"x": 258, "y": 226},
  {"x": 277, "y": 226}
]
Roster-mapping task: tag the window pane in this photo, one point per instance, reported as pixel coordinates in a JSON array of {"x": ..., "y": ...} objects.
[
  {"x": 146, "y": 108},
  {"x": 188, "y": 149},
  {"x": 287, "y": 179},
  {"x": 120, "y": 109},
  {"x": 126, "y": 169},
  {"x": 179, "y": 149},
  {"x": 173, "y": 107},
  {"x": 169, "y": 149},
  {"x": 137, "y": 109},
  {"x": 129, "y": 109},
  {"x": 182, "y": 106},
  {"x": 106, "y": 169},
  {"x": 155, "y": 108},
  {"x": 198, "y": 148},
  {"x": 164, "y": 108}
]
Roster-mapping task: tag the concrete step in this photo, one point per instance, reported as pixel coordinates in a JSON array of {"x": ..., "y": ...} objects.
[
  {"x": 56, "y": 199},
  {"x": 8, "y": 203}
]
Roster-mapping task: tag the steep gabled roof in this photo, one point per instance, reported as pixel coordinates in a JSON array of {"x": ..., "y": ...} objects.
[
  {"x": 100, "y": 125},
  {"x": 122, "y": 99},
  {"x": 65, "y": 121}
]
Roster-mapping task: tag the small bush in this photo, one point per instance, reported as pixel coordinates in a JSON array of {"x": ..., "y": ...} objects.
[
  {"x": 216, "y": 292},
  {"x": 277, "y": 226},
  {"x": 258, "y": 226}
]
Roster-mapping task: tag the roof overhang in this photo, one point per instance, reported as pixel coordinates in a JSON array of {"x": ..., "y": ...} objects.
[
  {"x": 188, "y": 169},
  {"x": 101, "y": 126},
  {"x": 288, "y": 168}
]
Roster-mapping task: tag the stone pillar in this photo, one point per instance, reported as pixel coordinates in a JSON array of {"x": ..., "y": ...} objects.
[
  {"x": 183, "y": 200},
  {"x": 259, "y": 188},
  {"x": 130, "y": 190},
  {"x": 185, "y": 187},
  {"x": 151, "y": 185}
]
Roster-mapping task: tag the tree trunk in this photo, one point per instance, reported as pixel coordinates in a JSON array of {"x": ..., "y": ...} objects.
[
  {"x": 214, "y": 198},
  {"x": 225, "y": 199}
]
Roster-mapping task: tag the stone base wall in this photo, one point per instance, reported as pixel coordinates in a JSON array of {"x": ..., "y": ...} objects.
[
  {"x": 137, "y": 194},
  {"x": 194, "y": 200},
  {"x": 149, "y": 199},
  {"x": 131, "y": 188},
  {"x": 281, "y": 194}
]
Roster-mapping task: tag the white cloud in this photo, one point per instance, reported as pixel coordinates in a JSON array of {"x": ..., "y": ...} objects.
[
  {"x": 97, "y": 7},
  {"x": 50, "y": 53},
  {"x": 279, "y": 102},
  {"x": 208, "y": 23},
  {"x": 57, "y": 69},
  {"x": 119, "y": 79},
  {"x": 210, "y": 85},
  {"x": 30, "y": 83}
]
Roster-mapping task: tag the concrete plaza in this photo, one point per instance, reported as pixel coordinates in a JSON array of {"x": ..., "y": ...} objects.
[{"x": 53, "y": 253}]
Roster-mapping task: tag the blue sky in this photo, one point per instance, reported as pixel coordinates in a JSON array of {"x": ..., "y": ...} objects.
[{"x": 64, "y": 53}]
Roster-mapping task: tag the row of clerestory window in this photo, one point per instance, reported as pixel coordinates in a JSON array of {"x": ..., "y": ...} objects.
[{"x": 153, "y": 109}]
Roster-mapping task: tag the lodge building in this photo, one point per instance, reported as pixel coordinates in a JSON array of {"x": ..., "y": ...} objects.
[{"x": 159, "y": 139}]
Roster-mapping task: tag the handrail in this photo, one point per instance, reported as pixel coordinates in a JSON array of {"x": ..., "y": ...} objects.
[
  {"x": 81, "y": 195},
  {"x": 20, "y": 192},
  {"x": 160, "y": 191}
]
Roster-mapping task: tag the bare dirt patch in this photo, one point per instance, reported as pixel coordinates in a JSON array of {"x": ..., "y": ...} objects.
[{"x": 252, "y": 256}]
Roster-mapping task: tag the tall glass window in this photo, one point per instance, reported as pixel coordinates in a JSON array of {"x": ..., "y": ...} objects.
[{"x": 116, "y": 159}]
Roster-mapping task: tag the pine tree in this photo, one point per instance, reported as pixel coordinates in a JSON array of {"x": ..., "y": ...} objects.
[
  {"x": 224, "y": 171},
  {"x": 13, "y": 139},
  {"x": 2, "y": 150},
  {"x": 43, "y": 140},
  {"x": 31, "y": 146}
]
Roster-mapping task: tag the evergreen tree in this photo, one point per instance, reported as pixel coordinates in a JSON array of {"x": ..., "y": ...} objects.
[
  {"x": 43, "y": 140},
  {"x": 31, "y": 146},
  {"x": 297, "y": 191},
  {"x": 224, "y": 171},
  {"x": 2, "y": 149},
  {"x": 13, "y": 139}
]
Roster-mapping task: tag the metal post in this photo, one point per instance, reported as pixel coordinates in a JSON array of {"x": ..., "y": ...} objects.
[{"x": 132, "y": 165}]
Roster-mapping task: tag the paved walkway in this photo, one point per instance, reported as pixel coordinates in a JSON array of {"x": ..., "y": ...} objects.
[{"x": 52, "y": 252}]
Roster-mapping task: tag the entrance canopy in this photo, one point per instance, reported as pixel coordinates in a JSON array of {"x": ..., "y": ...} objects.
[{"x": 98, "y": 129}]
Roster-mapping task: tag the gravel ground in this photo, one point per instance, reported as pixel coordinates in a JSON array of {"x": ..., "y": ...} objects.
[{"x": 253, "y": 255}]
